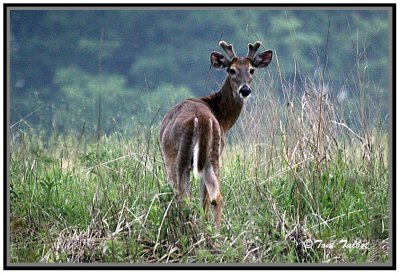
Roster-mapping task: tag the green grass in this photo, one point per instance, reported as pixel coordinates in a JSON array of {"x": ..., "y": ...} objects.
[
  {"x": 77, "y": 200},
  {"x": 295, "y": 170}
]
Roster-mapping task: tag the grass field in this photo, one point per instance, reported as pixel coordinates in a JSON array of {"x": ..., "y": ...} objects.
[{"x": 299, "y": 185}]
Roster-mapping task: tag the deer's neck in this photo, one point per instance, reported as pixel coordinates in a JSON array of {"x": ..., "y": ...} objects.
[{"x": 226, "y": 105}]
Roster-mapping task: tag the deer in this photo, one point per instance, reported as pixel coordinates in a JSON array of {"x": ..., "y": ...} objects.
[{"x": 192, "y": 132}]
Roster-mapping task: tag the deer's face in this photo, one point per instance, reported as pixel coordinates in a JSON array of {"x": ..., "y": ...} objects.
[
  {"x": 240, "y": 73},
  {"x": 241, "y": 69}
]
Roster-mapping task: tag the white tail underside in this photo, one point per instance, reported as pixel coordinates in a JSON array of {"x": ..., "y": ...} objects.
[
  {"x": 196, "y": 152},
  {"x": 196, "y": 172}
]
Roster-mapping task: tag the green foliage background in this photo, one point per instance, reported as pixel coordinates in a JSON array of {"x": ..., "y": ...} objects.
[{"x": 136, "y": 64}]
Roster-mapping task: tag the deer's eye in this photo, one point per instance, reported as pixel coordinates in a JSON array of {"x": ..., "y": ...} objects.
[
  {"x": 252, "y": 71},
  {"x": 232, "y": 71}
]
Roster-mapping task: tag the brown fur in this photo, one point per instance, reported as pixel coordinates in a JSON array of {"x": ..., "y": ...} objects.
[
  {"x": 205, "y": 121},
  {"x": 179, "y": 134}
]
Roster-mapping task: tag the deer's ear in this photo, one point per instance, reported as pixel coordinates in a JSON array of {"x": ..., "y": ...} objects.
[
  {"x": 218, "y": 60},
  {"x": 262, "y": 59}
]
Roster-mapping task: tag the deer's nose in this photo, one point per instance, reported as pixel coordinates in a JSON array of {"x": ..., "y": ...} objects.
[{"x": 245, "y": 90}]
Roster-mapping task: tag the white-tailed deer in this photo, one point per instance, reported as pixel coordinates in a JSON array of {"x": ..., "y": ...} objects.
[{"x": 192, "y": 132}]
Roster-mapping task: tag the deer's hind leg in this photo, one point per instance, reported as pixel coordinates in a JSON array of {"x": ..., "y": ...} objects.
[
  {"x": 184, "y": 159},
  {"x": 183, "y": 182},
  {"x": 215, "y": 153},
  {"x": 204, "y": 198},
  {"x": 210, "y": 188},
  {"x": 212, "y": 194}
]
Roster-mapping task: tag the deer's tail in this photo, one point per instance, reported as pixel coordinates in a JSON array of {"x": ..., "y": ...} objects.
[{"x": 203, "y": 145}]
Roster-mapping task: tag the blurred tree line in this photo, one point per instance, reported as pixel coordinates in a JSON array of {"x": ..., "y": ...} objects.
[{"x": 71, "y": 67}]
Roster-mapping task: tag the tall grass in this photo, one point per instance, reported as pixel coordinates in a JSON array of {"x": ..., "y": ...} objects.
[{"x": 295, "y": 170}]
